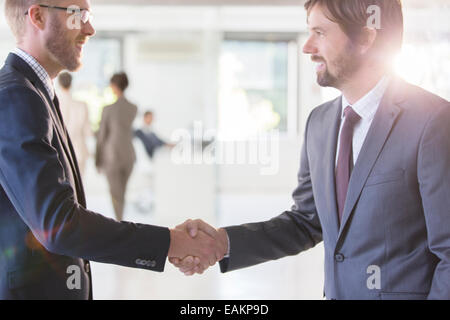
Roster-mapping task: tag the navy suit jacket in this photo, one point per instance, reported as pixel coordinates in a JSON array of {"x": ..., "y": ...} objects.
[
  {"x": 394, "y": 238},
  {"x": 47, "y": 235}
]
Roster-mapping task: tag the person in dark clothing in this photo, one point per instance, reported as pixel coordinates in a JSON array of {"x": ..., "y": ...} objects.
[{"x": 150, "y": 140}]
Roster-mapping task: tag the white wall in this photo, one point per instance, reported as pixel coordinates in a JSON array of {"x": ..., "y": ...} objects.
[
  {"x": 171, "y": 55},
  {"x": 173, "y": 63},
  {"x": 6, "y": 43}
]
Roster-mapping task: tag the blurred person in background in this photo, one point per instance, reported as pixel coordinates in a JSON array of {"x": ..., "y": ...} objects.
[
  {"x": 149, "y": 138},
  {"x": 151, "y": 143},
  {"x": 76, "y": 118},
  {"x": 115, "y": 155}
]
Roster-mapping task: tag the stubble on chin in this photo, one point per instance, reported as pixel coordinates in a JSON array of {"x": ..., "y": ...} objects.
[
  {"x": 326, "y": 79},
  {"x": 60, "y": 47},
  {"x": 344, "y": 68}
]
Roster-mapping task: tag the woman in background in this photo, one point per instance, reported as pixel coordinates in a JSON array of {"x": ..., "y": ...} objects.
[
  {"x": 76, "y": 117},
  {"x": 115, "y": 154}
]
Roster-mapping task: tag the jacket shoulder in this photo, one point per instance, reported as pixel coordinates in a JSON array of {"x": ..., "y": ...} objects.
[
  {"x": 9, "y": 78},
  {"x": 324, "y": 109},
  {"x": 121, "y": 107},
  {"x": 417, "y": 97}
]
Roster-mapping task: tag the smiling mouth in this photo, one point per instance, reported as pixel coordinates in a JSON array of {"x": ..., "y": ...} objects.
[
  {"x": 80, "y": 45},
  {"x": 320, "y": 66},
  {"x": 82, "y": 42},
  {"x": 319, "y": 62}
]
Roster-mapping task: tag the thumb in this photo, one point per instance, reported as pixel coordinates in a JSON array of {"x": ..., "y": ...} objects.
[
  {"x": 192, "y": 228},
  {"x": 209, "y": 230},
  {"x": 174, "y": 261}
]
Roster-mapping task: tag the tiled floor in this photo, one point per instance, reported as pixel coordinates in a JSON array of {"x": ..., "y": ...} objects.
[{"x": 299, "y": 277}]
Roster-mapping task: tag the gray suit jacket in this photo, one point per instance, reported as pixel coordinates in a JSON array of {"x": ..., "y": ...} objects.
[
  {"x": 394, "y": 240},
  {"x": 115, "y": 136}
]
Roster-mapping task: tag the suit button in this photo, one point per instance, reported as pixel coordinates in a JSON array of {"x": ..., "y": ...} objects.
[
  {"x": 87, "y": 268},
  {"x": 339, "y": 257}
]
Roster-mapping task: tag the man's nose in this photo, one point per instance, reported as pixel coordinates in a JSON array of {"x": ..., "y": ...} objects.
[
  {"x": 88, "y": 29},
  {"x": 309, "y": 47}
]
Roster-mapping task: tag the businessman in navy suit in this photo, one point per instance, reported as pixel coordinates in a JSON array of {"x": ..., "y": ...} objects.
[
  {"x": 374, "y": 178},
  {"x": 47, "y": 235}
]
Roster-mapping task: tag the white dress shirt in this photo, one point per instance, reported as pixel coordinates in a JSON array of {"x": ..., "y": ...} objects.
[
  {"x": 38, "y": 69},
  {"x": 366, "y": 107}
]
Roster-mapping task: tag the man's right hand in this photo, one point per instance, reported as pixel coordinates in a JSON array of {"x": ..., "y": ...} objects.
[{"x": 192, "y": 263}]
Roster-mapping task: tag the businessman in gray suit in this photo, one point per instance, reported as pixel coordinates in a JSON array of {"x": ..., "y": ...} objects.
[
  {"x": 374, "y": 178},
  {"x": 115, "y": 152}
]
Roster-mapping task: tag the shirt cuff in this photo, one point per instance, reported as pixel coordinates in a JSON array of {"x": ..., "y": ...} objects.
[{"x": 228, "y": 252}]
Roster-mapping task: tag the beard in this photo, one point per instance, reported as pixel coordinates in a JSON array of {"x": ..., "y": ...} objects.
[
  {"x": 344, "y": 67},
  {"x": 61, "y": 47}
]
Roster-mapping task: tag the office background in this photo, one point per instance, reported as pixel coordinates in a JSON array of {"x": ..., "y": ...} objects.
[{"x": 236, "y": 67}]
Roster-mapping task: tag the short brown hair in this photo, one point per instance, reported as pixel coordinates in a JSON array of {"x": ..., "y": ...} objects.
[
  {"x": 15, "y": 14},
  {"x": 352, "y": 17},
  {"x": 65, "y": 80},
  {"x": 120, "y": 80}
]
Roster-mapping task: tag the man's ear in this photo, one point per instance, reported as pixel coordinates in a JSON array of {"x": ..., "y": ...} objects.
[
  {"x": 37, "y": 16},
  {"x": 367, "y": 39}
]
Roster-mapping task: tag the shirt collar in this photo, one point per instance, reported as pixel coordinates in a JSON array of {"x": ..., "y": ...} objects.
[
  {"x": 367, "y": 106},
  {"x": 38, "y": 69}
]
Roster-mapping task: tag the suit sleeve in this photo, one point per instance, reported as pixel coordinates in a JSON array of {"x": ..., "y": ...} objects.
[
  {"x": 150, "y": 141},
  {"x": 35, "y": 181},
  {"x": 158, "y": 141},
  {"x": 144, "y": 139},
  {"x": 434, "y": 181},
  {"x": 288, "y": 234}
]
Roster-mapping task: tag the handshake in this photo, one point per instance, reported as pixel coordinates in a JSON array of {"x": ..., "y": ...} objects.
[{"x": 195, "y": 246}]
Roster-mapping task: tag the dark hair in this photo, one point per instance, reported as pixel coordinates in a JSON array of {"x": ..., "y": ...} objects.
[
  {"x": 65, "y": 80},
  {"x": 148, "y": 113},
  {"x": 352, "y": 17},
  {"x": 120, "y": 80}
]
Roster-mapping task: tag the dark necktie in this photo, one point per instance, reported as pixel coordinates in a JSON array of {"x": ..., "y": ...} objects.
[
  {"x": 344, "y": 164},
  {"x": 60, "y": 117},
  {"x": 58, "y": 110}
]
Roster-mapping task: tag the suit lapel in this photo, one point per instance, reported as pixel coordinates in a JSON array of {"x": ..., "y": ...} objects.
[
  {"x": 68, "y": 148},
  {"x": 67, "y": 145},
  {"x": 379, "y": 131},
  {"x": 57, "y": 120},
  {"x": 20, "y": 65},
  {"x": 328, "y": 164}
]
